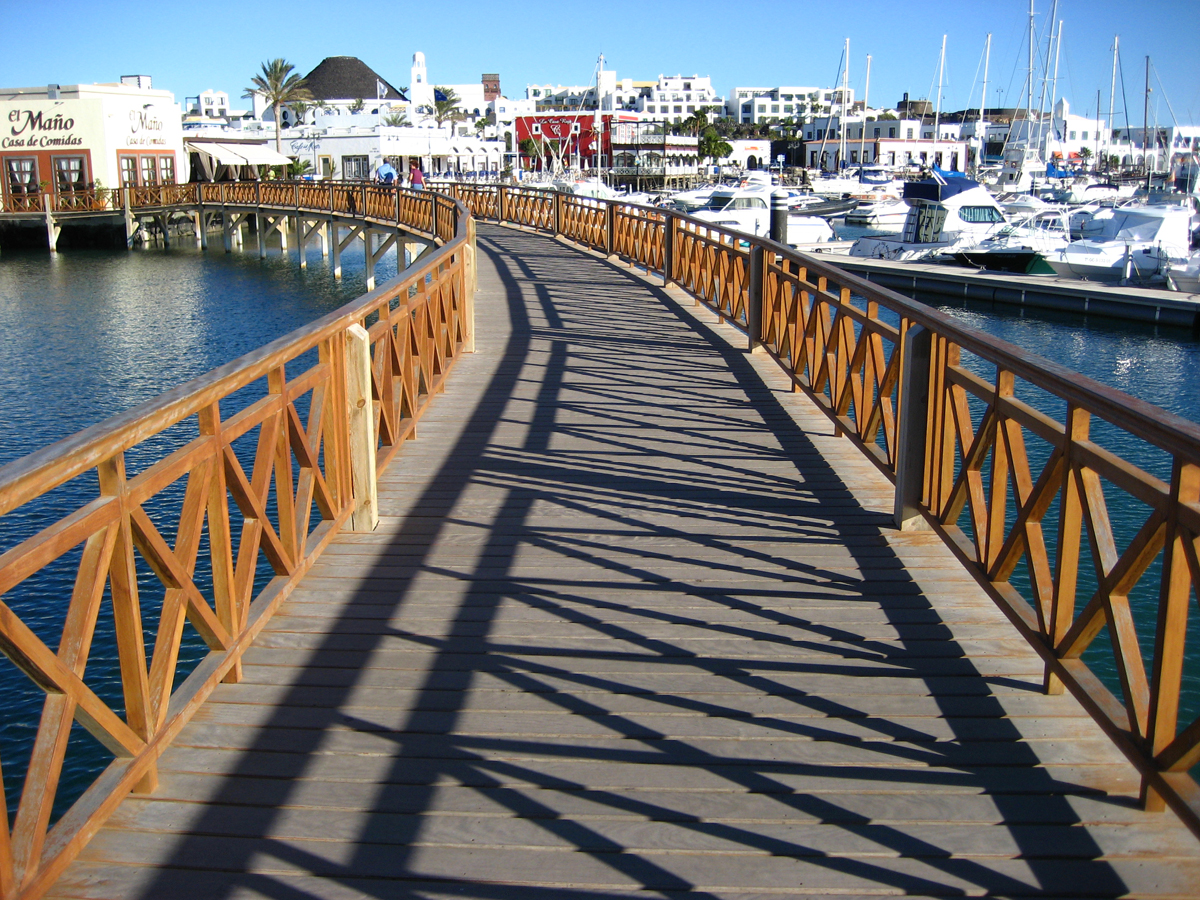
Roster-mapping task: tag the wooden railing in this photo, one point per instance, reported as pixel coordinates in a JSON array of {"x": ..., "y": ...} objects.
[
  {"x": 272, "y": 454},
  {"x": 419, "y": 211},
  {"x": 1017, "y": 462}
]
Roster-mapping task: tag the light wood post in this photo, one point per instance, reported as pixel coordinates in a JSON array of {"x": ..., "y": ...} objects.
[
  {"x": 470, "y": 286},
  {"x": 610, "y": 228},
  {"x": 911, "y": 429},
  {"x": 361, "y": 415}
]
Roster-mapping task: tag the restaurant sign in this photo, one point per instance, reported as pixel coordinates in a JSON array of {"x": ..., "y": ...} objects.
[{"x": 34, "y": 129}]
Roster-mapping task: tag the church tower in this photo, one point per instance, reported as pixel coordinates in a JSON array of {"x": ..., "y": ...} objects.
[{"x": 420, "y": 91}]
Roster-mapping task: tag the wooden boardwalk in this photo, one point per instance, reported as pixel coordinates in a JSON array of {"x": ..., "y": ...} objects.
[{"x": 634, "y": 621}]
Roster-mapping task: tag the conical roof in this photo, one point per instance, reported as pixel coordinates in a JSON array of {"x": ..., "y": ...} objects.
[{"x": 348, "y": 78}]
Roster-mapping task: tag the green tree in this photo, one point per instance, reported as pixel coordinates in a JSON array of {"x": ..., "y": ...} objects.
[
  {"x": 278, "y": 85},
  {"x": 1085, "y": 153},
  {"x": 299, "y": 110},
  {"x": 357, "y": 105},
  {"x": 446, "y": 110},
  {"x": 298, "y": 167},
  {"x": 397, "y": 118},
  {"x": 712, "y": 145}
]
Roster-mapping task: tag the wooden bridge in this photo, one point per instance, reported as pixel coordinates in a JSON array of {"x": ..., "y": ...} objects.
[{"x": 597, "y": 602}]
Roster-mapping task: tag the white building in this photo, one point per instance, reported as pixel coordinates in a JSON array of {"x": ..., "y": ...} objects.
[
  {"x": 883, "y": 141},
  {"x": 756, "y": 105},
  {"x": 70, "y": 137},
  {"x": 674, "y": 98}
]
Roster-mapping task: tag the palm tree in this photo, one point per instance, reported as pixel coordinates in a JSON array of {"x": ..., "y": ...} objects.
[
  {"x": 278, "y": 86},
  {"x": 446, "y": 110},
  {"x": 712, "y": 146},
  {"x": 397, "y": 118},
  {"x": 299, "y": 109}
]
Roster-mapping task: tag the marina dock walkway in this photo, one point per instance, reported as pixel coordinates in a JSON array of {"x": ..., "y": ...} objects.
[{"x": 634, "y": 621}]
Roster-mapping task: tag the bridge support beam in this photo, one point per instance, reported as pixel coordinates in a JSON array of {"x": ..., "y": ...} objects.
[
  {"x": 375, "y": 255},
  {"x": 340, "y": 245},
  {"x": 911, "y": 429},
  {"x": 53, "y": 229}
]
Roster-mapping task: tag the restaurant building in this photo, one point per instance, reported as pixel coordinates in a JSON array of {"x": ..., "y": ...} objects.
[{"x": 70, "y": 137}]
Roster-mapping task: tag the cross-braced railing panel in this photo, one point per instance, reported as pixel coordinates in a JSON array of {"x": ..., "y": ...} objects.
[
  {"x": 583, "y": 220},
  {"x": 205, "y": 507},
  {"x": 638, "y": 235},
  {"x": 713, "y": 265}
]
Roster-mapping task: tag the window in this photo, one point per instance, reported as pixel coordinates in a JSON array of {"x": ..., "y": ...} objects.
[
  {"x": 69, "y": 174},
  {"x": 356, "y": 167},
  {"x": 762, "y": 107},
  {"x": 787, "y": 108},
  {"x": 22, "y": 176},
  {"x": 687, "y": 85},
  {"x": 876, "y": 132},
  {"x": 326, "y": 166},
  {"x": 980, "y": 214},
  {"x": 909, "y": 134},
  {"x": 774, "y": 107},
  {"x": 166, "y": 169},
  {"x": 853, "y": 156},
  {"x": 1085, "y": 135},
  {"x": 129, "y": 176},
  {"x": 149, "y": 171},
  {"x": 678, "y": 109},
  {"x": 892, "y": 133},
  {"x": 1072, "y": 137}
]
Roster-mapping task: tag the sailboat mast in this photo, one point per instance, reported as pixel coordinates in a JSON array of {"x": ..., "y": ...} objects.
[
  {"x": 1146, "y": 126},
  {"x": 1054, "y": 83},
  {"x": 979, "y": 130},
  {"x": 862, "y": 131},
  {"x": 937, "y": 115},
  {"x": 1113, "y": 88},
  {"x": 842, "y": 123},
  {"x": 1029, "y": 79}
]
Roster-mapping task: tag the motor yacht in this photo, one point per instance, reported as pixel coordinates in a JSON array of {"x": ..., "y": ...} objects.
[
  {"x": 1134, "y": 244},
  {"x": 1021, "y": 246},
  {"x": 946, "y": 215},
  {"x": 749, "y": 210}
]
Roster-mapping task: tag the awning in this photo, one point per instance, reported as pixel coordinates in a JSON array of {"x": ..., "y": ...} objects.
[
  {"x": 222, "y": 153},
  {"x": 261, "y": 155}
]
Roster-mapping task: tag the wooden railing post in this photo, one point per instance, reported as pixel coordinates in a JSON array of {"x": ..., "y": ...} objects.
[
  {"x": 502, "y": 204},
  {"x": 670, "y": 226},
  {"x": 558, "y": 216},
  {"x": 754, "y": 299},
  {"x": 361, "y": 427},
  {"x": 911, "y": 430},
  {"x": 470, "y": 286},
  {"x": 610, "y": 227}
]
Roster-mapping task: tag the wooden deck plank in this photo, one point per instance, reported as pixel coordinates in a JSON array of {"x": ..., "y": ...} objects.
[{"x": 634, "y": 619}]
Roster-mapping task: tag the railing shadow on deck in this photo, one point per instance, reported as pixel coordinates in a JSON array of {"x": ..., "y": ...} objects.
[{"x": 427, "y": 754}]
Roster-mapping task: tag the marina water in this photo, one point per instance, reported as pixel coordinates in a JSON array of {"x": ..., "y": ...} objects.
[{"x": 89, "y": 334}]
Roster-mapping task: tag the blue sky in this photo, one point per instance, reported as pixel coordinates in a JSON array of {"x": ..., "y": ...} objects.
[{"x": 219, "y": 44}]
